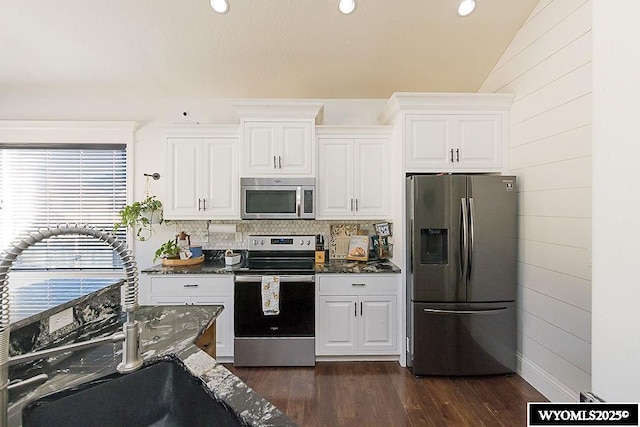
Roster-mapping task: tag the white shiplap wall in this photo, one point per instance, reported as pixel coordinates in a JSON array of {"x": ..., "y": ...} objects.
[{"x": 548, "y": 67}]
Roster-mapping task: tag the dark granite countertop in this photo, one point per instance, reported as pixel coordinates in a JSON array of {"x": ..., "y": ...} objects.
[
  {"x": 207, "y": 267},
  {"x": 331, "y": 266},
  {"x": 52, "y": 295},
  {"x": 355, "y": 267},
  {"x": 165, "y": 330}
]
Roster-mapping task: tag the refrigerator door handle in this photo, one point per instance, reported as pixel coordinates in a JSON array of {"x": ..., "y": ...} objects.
[
  {"x": 411, "y": 243},
  {"x": 464, "y": 247},
  {"x": 487, "y": 311},
  {"x": 472, "y": 216}
]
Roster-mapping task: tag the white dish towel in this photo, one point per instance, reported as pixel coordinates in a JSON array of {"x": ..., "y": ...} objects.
[{"x": 270, "y": 295}]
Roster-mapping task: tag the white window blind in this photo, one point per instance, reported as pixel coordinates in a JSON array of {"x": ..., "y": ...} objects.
[{"x": 50, "y": 185}]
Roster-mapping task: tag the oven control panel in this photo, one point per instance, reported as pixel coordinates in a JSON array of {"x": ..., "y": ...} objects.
[{"x": 282, "y": 243}]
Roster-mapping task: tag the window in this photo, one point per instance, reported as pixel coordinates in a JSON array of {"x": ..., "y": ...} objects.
[
  {"x": 55, "y": 172},
  {"x": 45, "y": 185}
]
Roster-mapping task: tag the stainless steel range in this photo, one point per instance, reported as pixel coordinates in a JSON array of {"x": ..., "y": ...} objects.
[{"x": 288, "y": 337}]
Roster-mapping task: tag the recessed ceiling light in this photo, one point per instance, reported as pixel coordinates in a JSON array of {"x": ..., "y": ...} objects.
[
  {"x": 466, "y": 7},
  {"x": 220, "y": 6},
  {"x": 347, "y": 6}
]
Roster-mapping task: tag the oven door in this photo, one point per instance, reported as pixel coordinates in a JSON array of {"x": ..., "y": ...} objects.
[{"x": 297, "y": 308}]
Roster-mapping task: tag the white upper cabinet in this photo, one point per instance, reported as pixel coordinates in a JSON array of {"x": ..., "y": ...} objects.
[
  {"x": 220, "y": 178},
  {"x": 353, "y": 174},
  {"x": 202, "y": 173},
  {"x": 277, "y": 148},
  {"x": 334, "y": 185},
  {"x": 278, "y": 137},
  {"x": 453, "y": 142},
  {"x": 451, "y": 132}
]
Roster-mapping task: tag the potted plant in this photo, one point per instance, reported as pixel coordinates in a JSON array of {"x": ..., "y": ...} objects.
[
  {"x": 169, "y": 249},
  {"x": 140, "y": 216}
]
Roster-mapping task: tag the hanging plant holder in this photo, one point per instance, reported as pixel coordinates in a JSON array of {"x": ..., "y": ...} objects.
[
  {"x": 154, "y": 217},
  {"x": 141, "y": 216}
]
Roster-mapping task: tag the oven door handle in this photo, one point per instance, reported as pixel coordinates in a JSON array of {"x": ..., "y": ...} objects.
[{"x": 283, "y": 279}]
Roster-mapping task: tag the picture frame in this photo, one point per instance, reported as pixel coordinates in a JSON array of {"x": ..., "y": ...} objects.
[
  {"x": 383, "y": 229},
  {"x": 358, "y": 248}
]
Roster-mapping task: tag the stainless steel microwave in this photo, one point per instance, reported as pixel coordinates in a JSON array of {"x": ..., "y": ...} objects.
[{"x": 278, "y": 198}]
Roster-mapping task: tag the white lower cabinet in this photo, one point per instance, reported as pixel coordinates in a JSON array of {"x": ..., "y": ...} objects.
[
  {"x": 199, "y": 290},
  {"x": 356, "y": 314}
]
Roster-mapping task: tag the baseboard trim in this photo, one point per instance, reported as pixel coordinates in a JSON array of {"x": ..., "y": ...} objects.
[{"x": 552, "y": 388}]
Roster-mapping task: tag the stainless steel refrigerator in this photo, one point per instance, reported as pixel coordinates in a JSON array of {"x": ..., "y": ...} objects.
[{"x": 461, "y": 280}]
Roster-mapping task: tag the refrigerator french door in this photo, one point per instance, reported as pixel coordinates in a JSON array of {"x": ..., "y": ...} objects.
[{"x": 461, "y": 290}]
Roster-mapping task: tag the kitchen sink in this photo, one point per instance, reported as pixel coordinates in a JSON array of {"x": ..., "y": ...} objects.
[{"x": 161, "y": 393}]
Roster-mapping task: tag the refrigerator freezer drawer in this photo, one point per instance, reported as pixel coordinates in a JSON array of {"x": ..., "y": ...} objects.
[{"x": 464, "y": 339}]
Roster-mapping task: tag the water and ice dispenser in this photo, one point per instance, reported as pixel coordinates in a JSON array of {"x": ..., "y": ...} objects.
[{"x": 434, "y": 246}]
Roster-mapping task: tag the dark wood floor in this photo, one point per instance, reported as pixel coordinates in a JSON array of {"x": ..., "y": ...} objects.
[{"x": 385, "y": 394}]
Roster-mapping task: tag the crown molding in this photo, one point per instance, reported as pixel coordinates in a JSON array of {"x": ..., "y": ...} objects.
[
  {"x": 280, "y": 109},
  {"x": 425, "y": 101}
]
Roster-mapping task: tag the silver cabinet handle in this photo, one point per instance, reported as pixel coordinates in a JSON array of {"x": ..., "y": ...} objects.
[
  {"x": 190, "y": 285},
  {"x": 458, "y": 155},
  {"x": 355, "y": 309},
  {"x": 279, "y": 162},
  {"x": 274, "y": 163},
  {"x": 351, "y": 205},
  {"x": 204, "y": 204},
  {"x": 199, "y": 201},
  {"x": 360, "y": 308},
  {"x": 358, "y": 284},
  {"x": 451, "y": 153},
  {"x": 356, "y": 204}
]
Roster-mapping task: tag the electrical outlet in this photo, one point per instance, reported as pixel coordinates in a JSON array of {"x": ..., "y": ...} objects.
[
  {"x": 60, "y": 320},
  {"x": 239, "y": 237}
]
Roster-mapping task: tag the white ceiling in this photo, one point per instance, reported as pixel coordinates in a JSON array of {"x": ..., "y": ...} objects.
[{"x": 260, "y": 49}]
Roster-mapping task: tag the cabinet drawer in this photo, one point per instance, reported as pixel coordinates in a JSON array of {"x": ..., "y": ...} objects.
[
  {"x": 355, "y": 284},
  {"x": 190, "y": 285}
]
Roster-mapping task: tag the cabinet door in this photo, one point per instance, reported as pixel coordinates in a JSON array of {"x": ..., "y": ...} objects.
[
  {"x": 428, "y": 140},
  {"x": 184, "y": 177},
  {"x": 260, "y": 153},
  {"x": 224, "y": 322},
  {"x": 335, "y": 178},
  {"x": 336, "y": 325},
  {"x": 296, "y": 148},
  {"x": 371, "y": 177},
  {"x": 377, "y": 331},
  {"x": 220, "y": 178},
  {"x": 479, "y": 139}
]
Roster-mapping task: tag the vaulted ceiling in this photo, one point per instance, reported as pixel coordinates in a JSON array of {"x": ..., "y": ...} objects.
[{"x": 260, "y": 49}]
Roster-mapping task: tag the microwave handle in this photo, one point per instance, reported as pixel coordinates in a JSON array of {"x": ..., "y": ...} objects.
[{"x": 298, "y": 201}]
